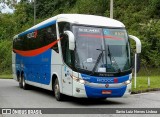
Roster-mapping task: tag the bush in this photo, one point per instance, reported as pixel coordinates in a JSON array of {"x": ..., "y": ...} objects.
[{"x": 5, "y": 57}]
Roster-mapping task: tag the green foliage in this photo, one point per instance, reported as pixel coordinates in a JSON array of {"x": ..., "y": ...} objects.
[
  {"x": 50, "y": 8},
  {"x": 94, "y": 7},
  {"x": 6, "y": 27},
  {"x": 23, "y": 16},
  {"x": 5, "y": 56},
  {"x": 141, "y": 18},
  {"x": 151, "y": 42}
]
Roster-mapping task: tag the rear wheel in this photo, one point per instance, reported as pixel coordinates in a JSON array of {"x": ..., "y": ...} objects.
[
  {"x": 23, "y": 83},
  {"x": 58, "y": 95}
]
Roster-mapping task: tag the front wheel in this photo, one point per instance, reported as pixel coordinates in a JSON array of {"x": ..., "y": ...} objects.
[
  {"x": 20, "y": 82},
  {"x": 57, "y": 93}
]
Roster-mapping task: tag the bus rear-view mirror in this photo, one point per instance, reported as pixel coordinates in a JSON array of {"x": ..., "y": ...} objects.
[
  {"x": 138, "y": 43},
  {"x": 71, "y": 39}
]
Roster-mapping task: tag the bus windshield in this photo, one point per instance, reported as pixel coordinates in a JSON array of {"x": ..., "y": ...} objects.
[{"x": 101, "y": 48}]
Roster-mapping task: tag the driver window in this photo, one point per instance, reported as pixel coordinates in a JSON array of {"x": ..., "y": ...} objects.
[{"x": 66, "y": 53}]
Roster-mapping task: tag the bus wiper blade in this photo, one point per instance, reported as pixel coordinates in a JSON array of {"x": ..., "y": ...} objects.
[
  {"x": 112, "y": 57},
  {"x": 98, "y": 60}
]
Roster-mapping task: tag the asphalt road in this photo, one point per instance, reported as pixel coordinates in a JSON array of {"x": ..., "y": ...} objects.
[{"x": 11, "y": 96}]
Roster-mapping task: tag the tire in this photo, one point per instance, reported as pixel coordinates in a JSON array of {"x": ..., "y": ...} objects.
[
  {"x": 57, "y": 94},
  {"x": 102, "y": 99},
  {"x": 20, "y": 82},
  {"x": 23, "y": 83}
]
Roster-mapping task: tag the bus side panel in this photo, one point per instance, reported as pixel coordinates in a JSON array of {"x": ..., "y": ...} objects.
[
  {"x": 56, "y": 66},
  {"x": 36, "y": 68}
]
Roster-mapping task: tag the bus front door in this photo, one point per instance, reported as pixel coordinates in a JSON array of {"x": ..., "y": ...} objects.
[{"x": 67, "y": 80}]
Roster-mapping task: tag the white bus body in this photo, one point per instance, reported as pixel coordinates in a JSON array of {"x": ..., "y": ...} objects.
[{"x": 74, "y": 54}]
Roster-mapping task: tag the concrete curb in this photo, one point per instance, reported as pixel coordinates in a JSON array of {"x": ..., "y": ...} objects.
[
  {"x": 147, "y": 90},
  {"x": 6, "y": 78}
]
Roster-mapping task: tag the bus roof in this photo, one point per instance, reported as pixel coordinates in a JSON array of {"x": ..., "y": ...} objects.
[{"x": 77, "y": 19}]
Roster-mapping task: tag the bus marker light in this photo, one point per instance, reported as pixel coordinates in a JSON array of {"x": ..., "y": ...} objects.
[{"x": 115, "y": 80}]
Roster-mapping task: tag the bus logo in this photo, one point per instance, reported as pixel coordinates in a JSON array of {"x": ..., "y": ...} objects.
[
  {"x": 105, "y": 80},
  {"x": 32, "y": 34}
]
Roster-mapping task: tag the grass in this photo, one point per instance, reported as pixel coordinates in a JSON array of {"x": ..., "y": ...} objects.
[
  {"x": 142, "y": 79},
  {"x": 142, "y": 83},
  {"x": 149, "y": 71},
  {"x": 6, "y": 76}
]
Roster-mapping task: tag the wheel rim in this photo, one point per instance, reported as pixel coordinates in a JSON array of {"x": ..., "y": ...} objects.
[
  {"x": 56, "y": 90},
  {"x": 23, "y": 82}
]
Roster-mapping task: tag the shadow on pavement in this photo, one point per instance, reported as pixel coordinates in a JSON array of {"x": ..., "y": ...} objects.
[{"x": 74, "y": 100}]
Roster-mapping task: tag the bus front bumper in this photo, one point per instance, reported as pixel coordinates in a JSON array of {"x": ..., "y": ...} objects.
[{"x": 95, "y": 90}]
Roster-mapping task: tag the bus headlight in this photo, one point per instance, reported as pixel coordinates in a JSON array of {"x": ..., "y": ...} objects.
[
  {"x": 81, "y": 81},
  {"x": 127, "y": 82},
  {"x": 78, "y": 80}
]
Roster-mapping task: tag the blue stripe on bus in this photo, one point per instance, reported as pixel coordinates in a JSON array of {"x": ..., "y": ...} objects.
[
  {"x": 37, "y": 28},
  {"x": 97, "y": 92},
  {"x": 104, "y": 80},
  {"x": 36, "y": 68}
]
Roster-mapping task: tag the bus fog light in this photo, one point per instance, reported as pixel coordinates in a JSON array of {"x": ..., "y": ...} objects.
[{"x": 77, "y": 90}]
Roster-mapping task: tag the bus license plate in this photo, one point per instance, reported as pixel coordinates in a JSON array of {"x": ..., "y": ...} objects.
[{"x": 106, "y": 91}]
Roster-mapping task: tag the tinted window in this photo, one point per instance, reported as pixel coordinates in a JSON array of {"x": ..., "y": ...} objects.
[
  {"x": 67, "y": 54},
  {"x": 37, "y": 39},
  {"x": 63, "y": 26},
  {"x": 17, "y": 43}
]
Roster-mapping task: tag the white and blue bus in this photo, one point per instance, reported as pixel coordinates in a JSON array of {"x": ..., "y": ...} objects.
[{"x": 78, "y": 55}]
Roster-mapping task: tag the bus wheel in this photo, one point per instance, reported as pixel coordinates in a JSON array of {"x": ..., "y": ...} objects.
[
  {"x": 102, "y": 99},
  {"x": 20, "y": 83},
  {"x": 24, "y": 85},
  {"x": 57, "y": 93}
]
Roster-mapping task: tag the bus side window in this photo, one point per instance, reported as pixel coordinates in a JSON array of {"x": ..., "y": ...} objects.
[
  {"x": 17, "y": 44},
  {"x": 63, "y": 26},
  {"x": 51, "y": 36},
  {"x": 65, "y": 50}
]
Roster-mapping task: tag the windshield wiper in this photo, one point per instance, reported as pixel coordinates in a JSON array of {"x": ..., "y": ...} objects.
[
  {"x": 112, "y": 57},
  {"x": 98, "y": 60}
]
